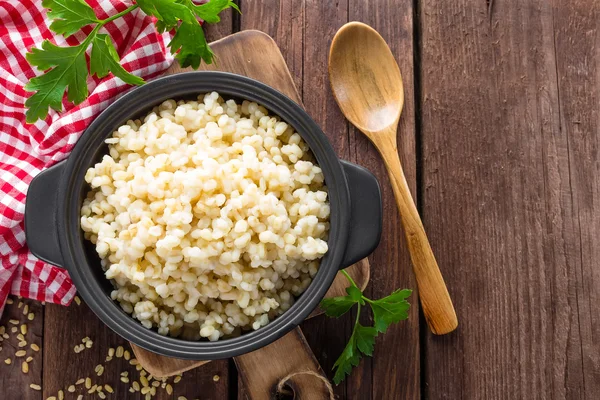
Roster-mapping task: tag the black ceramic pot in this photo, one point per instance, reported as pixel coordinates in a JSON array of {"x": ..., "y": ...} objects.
[{"x": 55, "y": 196}]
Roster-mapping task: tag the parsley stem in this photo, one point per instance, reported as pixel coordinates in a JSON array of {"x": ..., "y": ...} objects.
[
  {"x": 357, "y": 315},
  {"x": 358, "y": 303},
  {"x": 349, "y": 278},
  {"x": 367, "y": 299},
  {"x": 347, "y": 275},
  {"x": 103, "y": 22},
  {"x": 119, "y": 15}
]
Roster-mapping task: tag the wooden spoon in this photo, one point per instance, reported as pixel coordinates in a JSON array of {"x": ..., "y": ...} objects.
[{"x": 367, "y": 85}]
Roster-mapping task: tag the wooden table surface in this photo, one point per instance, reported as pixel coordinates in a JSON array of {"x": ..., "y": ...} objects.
[{"x": 499, "y": 139}]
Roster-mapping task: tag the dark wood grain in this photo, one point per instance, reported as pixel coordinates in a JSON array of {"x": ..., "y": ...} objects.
[
  {"x": 284, "y": 21},
  {"x": 510, "y": 195},
  {"x": 576, "y": 28},
  {"x": 14, "y": 384},
  {"x": 64, "y": 328},
  {"x": 397, "y": 353},
  {"x": 67, "y": 326},
  {"x": 223, "y": 28}
]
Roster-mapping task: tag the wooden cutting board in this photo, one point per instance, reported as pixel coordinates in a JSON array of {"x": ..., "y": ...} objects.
[{"x": 255, "y": 54}]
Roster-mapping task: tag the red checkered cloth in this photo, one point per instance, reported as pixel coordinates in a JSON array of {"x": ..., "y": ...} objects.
[{"x": 25, "y": 149}]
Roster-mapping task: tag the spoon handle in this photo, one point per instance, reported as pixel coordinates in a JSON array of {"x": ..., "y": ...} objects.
[{"x": 435, "y": 300}]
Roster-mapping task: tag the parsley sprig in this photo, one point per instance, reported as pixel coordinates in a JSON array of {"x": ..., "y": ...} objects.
[
  {"x": 386, "y": 311},
  {"x": 66, "y": 68}
]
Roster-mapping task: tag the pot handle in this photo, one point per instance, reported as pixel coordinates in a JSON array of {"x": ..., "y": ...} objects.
[
  {"x": 40, "y": 215},
  {"x": 366, "y": 213}
]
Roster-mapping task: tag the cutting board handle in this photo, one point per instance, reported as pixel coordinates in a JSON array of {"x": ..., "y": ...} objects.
[{"x": 285, "y": 367}]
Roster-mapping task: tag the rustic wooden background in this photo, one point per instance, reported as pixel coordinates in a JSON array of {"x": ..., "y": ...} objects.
[{"x": 499, "y": 139}]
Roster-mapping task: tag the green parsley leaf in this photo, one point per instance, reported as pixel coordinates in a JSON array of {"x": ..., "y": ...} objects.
[
  {"x": 349, "y": 358},
  {"x": 189, "y": 40},
  {"x": 390, "y": 309},
  {"x": 364, "y": 338},
  {"x": 338, "y": 306},
  {"x": 397, "y": 296},
  {"x": 386, "y": 311},
  {"x": 161, "y": 27},
  {"x": 69, "y": 15},
  {"x": 191, "y": 44},
  {"x": 105, "y": 59},
  {"x": 355, "y": 294},
  {"x": 66, "y": 70},
  {"x": 361, "y": 341},
  {"x": 209, "y": 11},
  {"x": 168, "y": 12},
  {"x": 70, "y": 70}
]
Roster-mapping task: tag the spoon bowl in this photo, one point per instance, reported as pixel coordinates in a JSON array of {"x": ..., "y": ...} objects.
[
  {"x": 367, "y": 85},
  {"x": 365, "y": 78}
]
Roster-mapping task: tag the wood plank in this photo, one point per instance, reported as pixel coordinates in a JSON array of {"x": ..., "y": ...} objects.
[
  {"x": 283, "y": 20},
  {"x": 67, "y": 326},
  {"x": 395, "y": 366},
  {"x": 508, "y": 151},
  {"x": 223, "y": 28},
  {"x": 13, "y": 382},
  {"x": 576, "y": 32}
]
